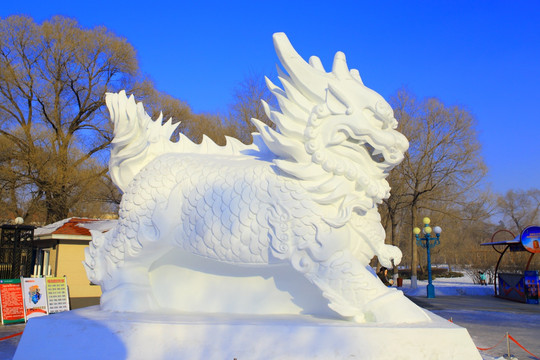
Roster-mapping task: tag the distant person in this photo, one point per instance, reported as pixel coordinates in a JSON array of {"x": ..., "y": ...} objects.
[
  {"x": 383, "y": 275},
  {"x": 483, "y": 278}
]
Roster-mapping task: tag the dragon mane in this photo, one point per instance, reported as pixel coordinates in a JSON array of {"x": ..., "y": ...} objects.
[{"x": 310, "y": 132}]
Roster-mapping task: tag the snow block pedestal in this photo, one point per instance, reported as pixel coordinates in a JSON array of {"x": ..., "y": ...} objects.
[{"x": 90, "y": 333}]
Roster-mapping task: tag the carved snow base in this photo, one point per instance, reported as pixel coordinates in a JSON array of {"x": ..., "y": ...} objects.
[
  {"x": 93, "y": 334},
  {"x": 182, "y": 282}
]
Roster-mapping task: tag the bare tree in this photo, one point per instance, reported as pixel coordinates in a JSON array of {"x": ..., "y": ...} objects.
[
  {"x": 247, "y": 104},
  {"x": 520, "y": 208},
  {"x": 443, "y": 163},
  {"x": 394, "y": 208},
  {"x": 53, "y": 77}
]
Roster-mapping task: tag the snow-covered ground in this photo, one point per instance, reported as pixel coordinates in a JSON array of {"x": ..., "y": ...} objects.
[
  {"x": 487, "y": 319},
  {"x": 449, "y": 287}
]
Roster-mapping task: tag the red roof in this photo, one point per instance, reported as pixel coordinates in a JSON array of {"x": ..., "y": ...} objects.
[{"x": 71, "y": 228}]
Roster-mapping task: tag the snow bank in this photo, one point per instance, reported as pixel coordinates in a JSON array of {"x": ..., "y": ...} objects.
[{"x": 449, "y": 287}]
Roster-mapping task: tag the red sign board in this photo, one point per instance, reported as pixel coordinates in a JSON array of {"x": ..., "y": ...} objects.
[{"x": 12, "y": 303}]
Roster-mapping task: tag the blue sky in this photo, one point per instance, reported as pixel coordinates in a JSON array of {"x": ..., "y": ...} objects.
[{"x": 482, "y": 55}]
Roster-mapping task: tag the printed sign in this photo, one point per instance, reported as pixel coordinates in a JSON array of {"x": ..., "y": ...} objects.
[
  {"x": 57, "y": 294},
  {"x": 35, "y": 297},
  {"x": 530, "y": 238},
  {"x": 531, "y": 286},
  {"x": 11, "y": 299}
]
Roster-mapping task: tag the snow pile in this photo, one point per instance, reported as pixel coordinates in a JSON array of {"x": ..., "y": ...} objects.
[
  {"x": 49, "y": 229},
  {"x": 100, "y": 225},
  {"x": 449, "y": 287}
]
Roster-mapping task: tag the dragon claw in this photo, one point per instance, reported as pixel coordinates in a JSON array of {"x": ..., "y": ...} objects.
[{"x": 389, "y": 255}]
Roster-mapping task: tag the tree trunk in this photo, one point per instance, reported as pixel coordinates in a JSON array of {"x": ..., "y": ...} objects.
[
  {"x": 414, "y": 250},
  {"x": 57, "y": 208},
  {"x": 393, "y": 227}
]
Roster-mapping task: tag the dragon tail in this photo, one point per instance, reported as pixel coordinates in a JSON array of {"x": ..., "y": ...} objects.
[{"x": 137, "y": 138}]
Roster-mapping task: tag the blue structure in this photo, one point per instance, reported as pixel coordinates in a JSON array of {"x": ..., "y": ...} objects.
[
  {"x": 428, "y": 242},
  {"x": 522, "y": 287}
]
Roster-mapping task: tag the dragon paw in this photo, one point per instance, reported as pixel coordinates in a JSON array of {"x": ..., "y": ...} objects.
[{"x": 387, "y": 253}]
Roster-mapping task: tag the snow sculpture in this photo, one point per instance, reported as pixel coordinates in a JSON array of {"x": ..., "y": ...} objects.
[{"x": 304, "y": 194}]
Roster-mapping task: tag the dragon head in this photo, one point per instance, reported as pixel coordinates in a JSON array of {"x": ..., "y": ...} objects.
[{"x": 332, "y": 131}]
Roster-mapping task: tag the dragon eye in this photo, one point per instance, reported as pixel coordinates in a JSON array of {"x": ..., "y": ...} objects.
[
  {"x": 375, "y": 118},
  {"x": 384, "y": 109}
]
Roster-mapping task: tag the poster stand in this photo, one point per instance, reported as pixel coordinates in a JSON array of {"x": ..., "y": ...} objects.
[
  {"x": 11, "y": 301},
  {"x": 25, "y": 298}
]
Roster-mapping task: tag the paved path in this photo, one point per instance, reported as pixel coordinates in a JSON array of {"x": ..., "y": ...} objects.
[
  {"x": 8, "y": 346},
  {"x": 488, "y": 319}
]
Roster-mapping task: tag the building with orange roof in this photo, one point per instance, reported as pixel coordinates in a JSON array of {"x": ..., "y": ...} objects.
[{"x": 60, "y": 252}]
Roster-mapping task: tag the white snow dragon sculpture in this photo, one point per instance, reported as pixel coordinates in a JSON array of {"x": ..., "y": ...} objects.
[{"x": 304, "y": 194}]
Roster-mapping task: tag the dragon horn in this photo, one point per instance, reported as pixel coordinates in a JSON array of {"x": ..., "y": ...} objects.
[
  {"x": 340, "y": 68},
  {"x": 310, "y": 80},
  {"x": 316, "y": 63},
  {"x": 356, "y": 75}
]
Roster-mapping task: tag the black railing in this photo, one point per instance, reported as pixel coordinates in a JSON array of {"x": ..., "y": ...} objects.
[{"x": 16, "y": 251}]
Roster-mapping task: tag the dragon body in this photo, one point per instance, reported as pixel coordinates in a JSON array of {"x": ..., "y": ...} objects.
[{"x": 303, "y": 194}]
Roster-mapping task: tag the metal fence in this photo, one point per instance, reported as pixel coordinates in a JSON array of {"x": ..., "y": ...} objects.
[{"x": 17, "y": 251}]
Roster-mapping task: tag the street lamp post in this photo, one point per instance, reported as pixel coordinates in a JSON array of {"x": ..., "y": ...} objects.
[{"x": 428, "y": 242}]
